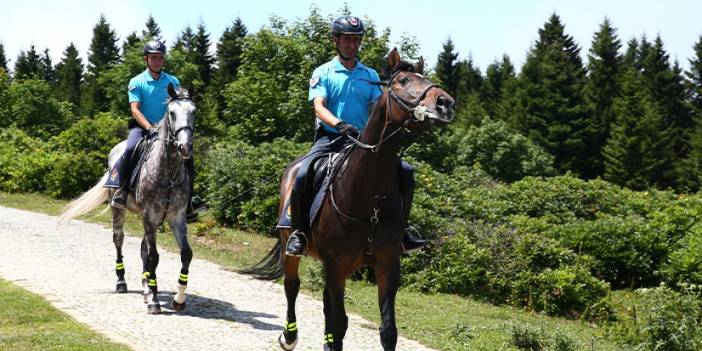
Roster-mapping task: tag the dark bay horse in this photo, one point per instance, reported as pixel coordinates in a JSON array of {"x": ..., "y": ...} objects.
[
  {"x": 359, "y": 222},
  {"x": 161, "y": 194}
]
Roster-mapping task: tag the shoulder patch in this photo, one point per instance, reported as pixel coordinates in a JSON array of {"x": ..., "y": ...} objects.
[
  {"x": 314, "y": 81},
  {"x": 131, "y": 87}
]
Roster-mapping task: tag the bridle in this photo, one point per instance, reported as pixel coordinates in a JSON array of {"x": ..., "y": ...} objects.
[
  {"x": 171, "y": 140},
  {"x": 417, "y": 113}
]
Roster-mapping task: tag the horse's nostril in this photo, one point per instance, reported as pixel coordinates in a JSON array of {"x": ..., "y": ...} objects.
[{"x": 441, "y": 101}]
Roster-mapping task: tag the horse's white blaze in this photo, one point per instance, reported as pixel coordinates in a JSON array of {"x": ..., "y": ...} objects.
[{"x": 180, "y": 295}]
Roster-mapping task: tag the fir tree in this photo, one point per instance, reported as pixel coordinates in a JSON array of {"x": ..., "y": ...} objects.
[
  {"x": 28, "y": 64},
  {"x": 185, "y": 42},
  {"x": 152, "y": 30},
  {"x": 447, "y": 71},
  {"x": 102, "y": 55},
  {"x": 695, "y": 77},
  {"x": 602, "y": 88},
  {"x": 470, "y": 78},
  {"x": 103, "y": 52},
  {"x": 629, "y": 58},
  {"x": 202, "y": 57},
  {"x": 46, "y": 68},
  {"x": 626, "y": 152},
  {"x": 665, "y": 88},
  {"x": 131, "y": 41},
  {"x": 3, "y": 59},
  {"x": 70, "y": 74},
  {"x": 550, "y": 107},
  {"x": 229, "y": 50}
]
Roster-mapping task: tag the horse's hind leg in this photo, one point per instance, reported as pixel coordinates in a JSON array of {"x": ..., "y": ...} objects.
[
  {"x": 179, "y": 227},
  {"x": 388, "y": 276},
  {"x": 291, "y": 281},
  {"x": 149, "y": 257},
  {"x": 118, "y": 217}
]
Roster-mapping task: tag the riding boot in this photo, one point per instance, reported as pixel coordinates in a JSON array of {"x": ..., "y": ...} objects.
[
  {"x": 119, "y": 199},
  {"x": 411, "y": 240},
  {"x": 297, "y": 240}
]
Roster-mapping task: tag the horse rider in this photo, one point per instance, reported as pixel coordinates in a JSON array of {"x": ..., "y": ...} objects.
[
  {"x": 341, "y": 113},
  {"x": 148, "y": 101}
]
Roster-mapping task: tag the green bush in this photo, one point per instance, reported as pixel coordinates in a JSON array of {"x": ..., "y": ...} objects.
[
  {"x": 242, "y": 181},
  {"x": 661, "y": 319},
  {"x": 74, "y": 173},
  {"x": 685, "y": 264},
  {"x": 24, "y": 162},
  {"x": 97, "y": 135}
]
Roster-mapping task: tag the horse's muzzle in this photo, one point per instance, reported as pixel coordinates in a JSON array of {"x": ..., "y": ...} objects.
[{"x": 185, "y": 150}]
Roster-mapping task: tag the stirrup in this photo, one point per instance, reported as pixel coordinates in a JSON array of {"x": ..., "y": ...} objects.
[
  {"x": 414, "y": 238},
  {"x": 119, "y": 194},
  {"x": 301, "y": 236}
]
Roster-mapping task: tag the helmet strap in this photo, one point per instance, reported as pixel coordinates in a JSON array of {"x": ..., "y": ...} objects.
[{"x": 149, "y": 67}]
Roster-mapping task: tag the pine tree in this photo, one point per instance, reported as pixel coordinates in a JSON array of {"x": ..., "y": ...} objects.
[
  {"x": 627, "y": 152},
  {"x": 102, "y": 55},
  {"x": 28, "y": 64},
  {"x": 694, "y": 160},
  {"x": 695, "y": 78},
  {"x": 185, "y": 42},
  {"x": 202, "y": 57},
  {"x": 3, "y": 59},
  {"x": 103, "y": 52},
  {"x": 550, "y": 107},
  {"x": 152, "y": 30},
  {"x": 471, "y": 78},
  {"x": 229, "y": 50},
  {"x": 70, "y": 75},
  {"x": 46, "y": 68},
  {"x": 665, "y": 88},
  {"x": 602, "y": 88},
  {"x": 447, "y": 71},
  {"x": 629, "y": 58},
  {"x": 131, "y": 41}
]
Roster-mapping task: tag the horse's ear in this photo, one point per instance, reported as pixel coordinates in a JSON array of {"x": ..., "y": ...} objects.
[
  {"x": 419, "y": 66},
  {"x": 171, "y": 91},
  {"x": 393, "y": 59}
]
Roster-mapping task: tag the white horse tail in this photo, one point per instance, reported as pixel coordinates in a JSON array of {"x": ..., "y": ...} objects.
[{"x": 87, "y": 202}]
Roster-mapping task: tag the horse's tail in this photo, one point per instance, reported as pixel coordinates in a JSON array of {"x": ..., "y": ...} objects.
[
  {"x": 86, "y": 202},
  {"x": 270, "y": 267}
]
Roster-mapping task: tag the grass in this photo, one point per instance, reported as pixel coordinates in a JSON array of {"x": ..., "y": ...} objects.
[
  {"x": 441, "y": 321},
  {"x": 28, "y": 322}
]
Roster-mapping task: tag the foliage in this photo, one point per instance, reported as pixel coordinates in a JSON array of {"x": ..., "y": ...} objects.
[{"x": 242, "y": 182}]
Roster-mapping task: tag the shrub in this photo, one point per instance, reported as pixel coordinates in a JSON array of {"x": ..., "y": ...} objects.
[
  {"x": 72, "y": 174},
  {"x": 242, "y": 181}
]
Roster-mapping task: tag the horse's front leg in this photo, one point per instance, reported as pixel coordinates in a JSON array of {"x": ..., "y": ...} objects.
[
  {"x": 387, "y": 273},
  {"x": 179, "y": 227},
  {"x": 149, "y": 257},
  {"x": 291, "y": 281},
  {"x": 118, "y": 217},
  {"x": 335, "y": 320}
]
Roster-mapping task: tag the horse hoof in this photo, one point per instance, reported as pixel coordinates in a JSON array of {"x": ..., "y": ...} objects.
[
  {"x": 178, "y": 306},
  {"x": 284, "y": 344},
  {"x": 327, "y": 347},
  {"x": 154, "y": 309},
  {"x": 121, "y": 288}
]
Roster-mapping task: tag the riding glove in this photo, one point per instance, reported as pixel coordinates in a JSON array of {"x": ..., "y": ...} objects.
[{"x": 347, "y": 129}]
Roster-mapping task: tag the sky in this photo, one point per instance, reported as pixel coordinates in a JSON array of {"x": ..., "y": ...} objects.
[{"x": 482, "y": 30}]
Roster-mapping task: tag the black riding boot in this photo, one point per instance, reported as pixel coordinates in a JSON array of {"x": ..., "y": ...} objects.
[
  {"x": 119, "y": 199},
  {"x": 297, "y": 240},
  {"x": 410, "y": 240}
]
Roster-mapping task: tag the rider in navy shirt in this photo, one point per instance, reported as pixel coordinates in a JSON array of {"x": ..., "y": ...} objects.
[{"x": 342, "y": 98}]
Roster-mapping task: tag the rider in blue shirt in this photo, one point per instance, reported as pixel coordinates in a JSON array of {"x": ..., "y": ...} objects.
[
  {"x": 342, "y": 97},
  {"x": 148, "y": 101}
]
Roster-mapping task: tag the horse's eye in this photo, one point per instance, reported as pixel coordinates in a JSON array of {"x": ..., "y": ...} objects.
[{"x": 404, "y": 81}]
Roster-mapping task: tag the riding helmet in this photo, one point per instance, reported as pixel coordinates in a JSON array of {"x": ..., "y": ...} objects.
[
  {"x": 347, "y": 25},
  {"x": 154, "y": 47}
]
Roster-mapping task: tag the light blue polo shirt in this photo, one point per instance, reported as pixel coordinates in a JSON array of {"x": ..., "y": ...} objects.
[
  {"x": 152, "y": 95},
  {"x": 348, "y": 93}
]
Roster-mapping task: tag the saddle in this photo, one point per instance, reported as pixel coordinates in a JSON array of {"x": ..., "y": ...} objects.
[
  {"x": 322, "y": 170},
  {"x": 136, "y": 160}
]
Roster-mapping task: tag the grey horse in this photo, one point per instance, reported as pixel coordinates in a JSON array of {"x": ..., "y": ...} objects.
[{"x": 161, "y": 194}]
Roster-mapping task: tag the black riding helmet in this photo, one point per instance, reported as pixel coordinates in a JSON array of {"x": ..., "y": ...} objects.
[
  {"x": 347, "y": 25},
  {"x": 154, "y": 47}
]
